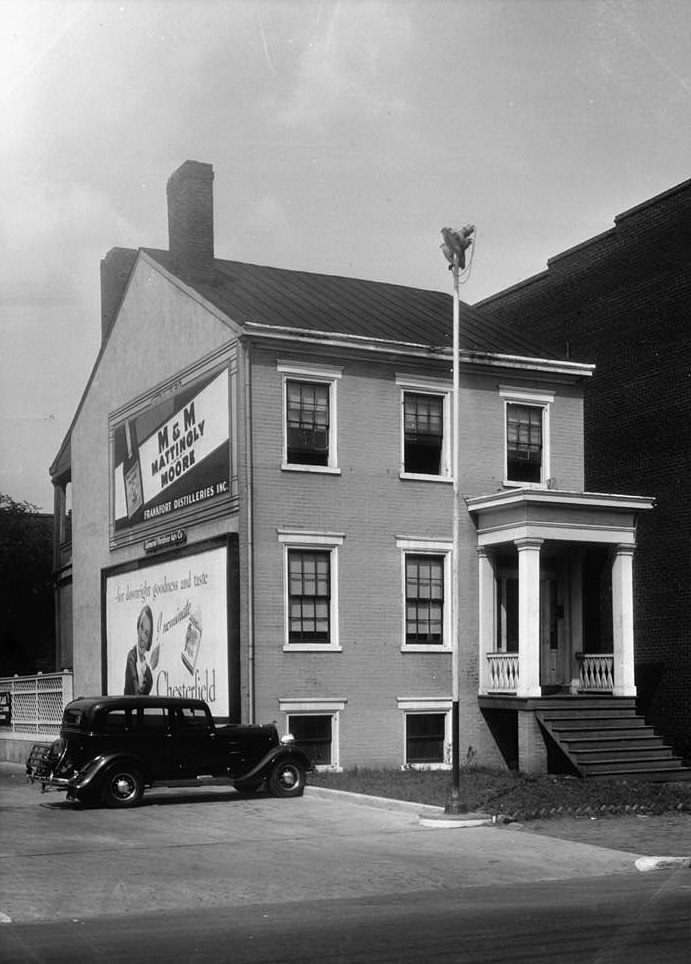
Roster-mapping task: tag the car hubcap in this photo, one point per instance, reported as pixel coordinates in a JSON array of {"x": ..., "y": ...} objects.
[
  {"x": 123, "y": 787},
  {"x": 289, "y": 778}
]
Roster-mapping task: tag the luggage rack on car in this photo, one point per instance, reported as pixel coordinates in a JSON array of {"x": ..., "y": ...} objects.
[{"x": 39, "y": 769}]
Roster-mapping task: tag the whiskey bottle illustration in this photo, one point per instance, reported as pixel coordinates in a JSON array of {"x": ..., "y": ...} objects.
[
  {"x": 134, "y": 495},
  {"x": 193, "y": 638}
]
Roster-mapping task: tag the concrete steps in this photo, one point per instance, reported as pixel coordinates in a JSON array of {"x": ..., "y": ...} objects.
[{"x": 605, "y": 737}]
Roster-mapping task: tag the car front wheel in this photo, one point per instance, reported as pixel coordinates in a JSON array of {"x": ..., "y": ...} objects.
[
  {"x": 123, "y": 787},
  {"x": 287, "y": 779}
]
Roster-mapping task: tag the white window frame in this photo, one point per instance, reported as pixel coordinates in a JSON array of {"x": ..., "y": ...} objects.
[
  {"x": 315, "y": 706},
  {"x": 430, "y": 547},
  {"x": 304, "y": 539},
  {"x": 543, "y": 400},
  {"x": 411, "y": 706},
  {"x": 320, "y": 375},
  {"x": 442, "y": 389}
]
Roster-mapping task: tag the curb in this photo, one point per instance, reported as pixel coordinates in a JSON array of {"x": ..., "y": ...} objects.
[{"x": 362, "y": 800}]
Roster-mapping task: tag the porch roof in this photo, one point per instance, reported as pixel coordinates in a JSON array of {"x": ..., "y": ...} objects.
[{"x": 549, "y": 514}]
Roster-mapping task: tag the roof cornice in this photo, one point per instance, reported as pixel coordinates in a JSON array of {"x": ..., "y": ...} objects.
[{"x": 411, "y": 349}]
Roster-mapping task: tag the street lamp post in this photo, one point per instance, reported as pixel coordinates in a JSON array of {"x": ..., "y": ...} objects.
[{"x": 454, "y": 247}]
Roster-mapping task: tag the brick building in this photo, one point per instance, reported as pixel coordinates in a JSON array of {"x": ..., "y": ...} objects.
[
  {"x": 621, "y": 300},
  {"x": 260, "y": 478}
]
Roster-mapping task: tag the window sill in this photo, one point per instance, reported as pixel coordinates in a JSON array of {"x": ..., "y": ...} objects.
[
  {"x": 425, "y": 648},
  {"x": 319, "y": 469},
  {"x": 311, "y": 648},
  {"x": 419, "y": 477},
  {"x": 421, "y": 767},
  {"x": 509, "y": 484}
]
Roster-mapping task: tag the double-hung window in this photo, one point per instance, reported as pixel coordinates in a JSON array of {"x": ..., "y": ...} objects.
[
  {"x": 526, "y": 434},
  {"x": 309, "y": 416},
  {"x": 425, "y": 428},
  {"x": 311, "y": 589},
  {"x": 427, "y": 733},
  {"x": 315, "y": 725},
  {"x": 426, "y": 595}
]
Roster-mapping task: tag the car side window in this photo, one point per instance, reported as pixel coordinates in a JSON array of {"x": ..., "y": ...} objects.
[
  {"x": 115, "y": 721},
  {"x": 152, "y": 719},
  {"x": 192, "y": 718}
]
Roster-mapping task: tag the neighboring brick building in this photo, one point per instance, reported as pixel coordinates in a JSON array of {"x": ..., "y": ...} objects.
[
  {"x": 621, "y": 300},
  {"x": 260, "y": 472}
]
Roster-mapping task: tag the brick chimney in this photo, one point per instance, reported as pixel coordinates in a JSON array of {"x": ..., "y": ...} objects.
[
  {"x": 116, "y": 269},
  {"x": 191, "y": 220}
]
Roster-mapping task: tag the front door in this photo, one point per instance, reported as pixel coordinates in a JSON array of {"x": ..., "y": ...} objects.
[{"x": 551, "y": 656}]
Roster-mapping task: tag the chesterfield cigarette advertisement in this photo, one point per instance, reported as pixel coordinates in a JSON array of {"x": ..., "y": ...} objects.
[
  {"x": 173, "y": 455},
  {"x": 167, "y": 630}
]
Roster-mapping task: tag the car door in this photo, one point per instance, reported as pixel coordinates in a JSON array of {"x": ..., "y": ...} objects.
[
  {"x": 197, "y": 750},
  {"x": 153, "y": 740}
]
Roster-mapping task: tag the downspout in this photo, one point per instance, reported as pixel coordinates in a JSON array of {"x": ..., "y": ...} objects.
[{"x": 250, "y": 530}]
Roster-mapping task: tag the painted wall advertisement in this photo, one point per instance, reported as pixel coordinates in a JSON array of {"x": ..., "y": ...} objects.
[
  {"x": 173, "y": 455},
  {"x": 167, "y": 629}
]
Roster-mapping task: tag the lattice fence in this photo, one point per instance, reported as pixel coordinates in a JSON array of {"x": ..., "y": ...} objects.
[{"x": 37, "y": 702}]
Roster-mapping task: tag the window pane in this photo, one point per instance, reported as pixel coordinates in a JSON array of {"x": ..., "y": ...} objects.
[
  {"x": 313, "y": 735},
  {"x": 423, "y": 420},
  {"x": 307, "y": 423},
  {"x": 309, "y": 602},
  {"x": 424, "y": 599},
  {"x": 524, "y": 443},
  {"x": 115, "y": 721},
  {"x": 425, "y": 737}
]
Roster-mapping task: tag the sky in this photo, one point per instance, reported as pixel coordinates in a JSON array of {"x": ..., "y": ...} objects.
[{"x": 343, "y": 137}]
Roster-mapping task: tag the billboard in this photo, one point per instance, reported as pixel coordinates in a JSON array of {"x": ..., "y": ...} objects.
[
  {"x": 172, "y": 455},
  {"x": 166, "y": 629}
]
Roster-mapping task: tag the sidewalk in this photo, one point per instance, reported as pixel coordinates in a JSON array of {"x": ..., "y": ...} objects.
[{"x": 664, "y": 835}]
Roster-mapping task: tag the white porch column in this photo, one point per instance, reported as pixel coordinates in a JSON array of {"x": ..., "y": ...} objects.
[
  {"x": 528, "y": 617},
  {"x": 622, "y": 616},
  {"x": 486, "y": 613}
]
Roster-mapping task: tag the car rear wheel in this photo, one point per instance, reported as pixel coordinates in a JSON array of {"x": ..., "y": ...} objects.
[
  {"x": 287, "y": 779},
  {"x": 123, "y": 787}
]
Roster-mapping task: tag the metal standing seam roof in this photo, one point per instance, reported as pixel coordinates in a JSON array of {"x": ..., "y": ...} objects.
[
  {"x": 250, "y": 293},
  {"x": 330, "y": 304}
]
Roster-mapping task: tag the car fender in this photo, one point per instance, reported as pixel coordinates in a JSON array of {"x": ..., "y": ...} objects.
[
  {"x": 90, "y": 776},
  {"x": 262, "y": 768}
]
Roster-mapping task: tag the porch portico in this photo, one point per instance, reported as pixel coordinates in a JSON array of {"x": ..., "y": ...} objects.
[{"x": 548, "y": 563}]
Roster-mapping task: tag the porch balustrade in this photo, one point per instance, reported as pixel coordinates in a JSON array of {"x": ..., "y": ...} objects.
[
  {"x": 596, "y": 672},
  {"x": 503, "y": 672}
]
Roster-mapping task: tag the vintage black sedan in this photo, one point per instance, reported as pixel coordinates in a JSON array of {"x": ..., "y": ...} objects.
[{"x": 112, "y": 748}]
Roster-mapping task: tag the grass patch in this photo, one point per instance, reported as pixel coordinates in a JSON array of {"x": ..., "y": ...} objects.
[{"x": 514, "y": 795}]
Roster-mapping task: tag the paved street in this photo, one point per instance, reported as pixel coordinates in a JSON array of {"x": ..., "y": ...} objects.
[{"x": 319, "y": 868}]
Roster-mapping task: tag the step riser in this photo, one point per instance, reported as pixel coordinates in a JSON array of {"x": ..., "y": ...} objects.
[
  {"x": 647, "y": 776},
  {"x": 606, "y": 759},
  {"x": 618, "y": 746},
  {"x": 601, "y": 714},
  {"x": 577, "y": 723},
  {"x": 573, "y": 736}
]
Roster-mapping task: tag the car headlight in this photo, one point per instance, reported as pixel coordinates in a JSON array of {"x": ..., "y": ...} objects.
[{"x": 288, "y": 739}]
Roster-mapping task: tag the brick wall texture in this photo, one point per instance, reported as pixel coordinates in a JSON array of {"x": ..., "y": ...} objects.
[
  {"x": 622, "y": 301},
  {"x": 371, "y": 506}
]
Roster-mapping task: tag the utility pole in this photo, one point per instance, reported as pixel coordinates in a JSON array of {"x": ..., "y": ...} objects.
[{"x": 456, "y": 242}]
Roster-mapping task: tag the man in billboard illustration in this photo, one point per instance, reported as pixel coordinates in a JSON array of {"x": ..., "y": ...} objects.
[{"x": 138, "y": 677}]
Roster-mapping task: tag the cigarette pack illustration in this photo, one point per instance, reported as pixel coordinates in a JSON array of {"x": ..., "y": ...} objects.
[{"x": 193, "y": 639}]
